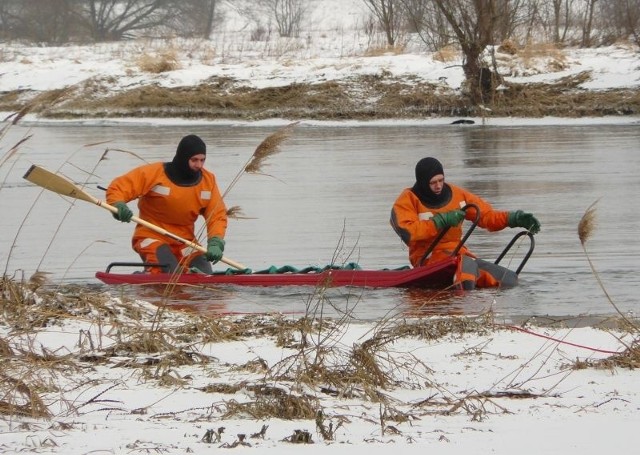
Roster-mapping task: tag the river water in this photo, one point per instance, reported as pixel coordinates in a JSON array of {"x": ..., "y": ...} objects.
[{"x": 325, "y": 198}]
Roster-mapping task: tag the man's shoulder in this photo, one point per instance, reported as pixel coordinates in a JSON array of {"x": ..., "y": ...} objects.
[
  {"x": 406, "y": 196},
  {"x": 405, "y": 192},
  {"x": 208, "y": 179},
  {"x": 208, "y": 174},
  {"x": 149, "y": 167}
]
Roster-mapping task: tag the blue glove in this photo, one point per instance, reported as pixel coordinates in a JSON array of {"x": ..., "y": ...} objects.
[
  {"x": 215, "y": 247},
  {"x": 448, "y": 219},
  {"x": 524, "y": 220},
  {"x": 124, "y": 213}
]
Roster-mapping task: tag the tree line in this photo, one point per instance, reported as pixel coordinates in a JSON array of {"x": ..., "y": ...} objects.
[
  {"x": 436, "y": 22},
  {"x": 55, "y": 22},
  {"x": 574, "y": 22},
  {"x": 475, "y": 25}
]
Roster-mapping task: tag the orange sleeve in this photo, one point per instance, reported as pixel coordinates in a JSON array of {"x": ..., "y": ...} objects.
[
  {"x": 131, "y": 185},
  {"x": 215, "y": 213},
  {"x": 490, "y": 219},
  {"x": 406, "y": 222}
]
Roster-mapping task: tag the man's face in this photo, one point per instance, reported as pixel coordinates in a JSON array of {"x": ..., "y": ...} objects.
[
  {"x": 436, "y": 183},
  {"x": 196, "y": 162}
]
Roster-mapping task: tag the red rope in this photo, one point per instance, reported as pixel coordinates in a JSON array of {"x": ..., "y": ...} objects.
[{"x": 520, "y": 329}]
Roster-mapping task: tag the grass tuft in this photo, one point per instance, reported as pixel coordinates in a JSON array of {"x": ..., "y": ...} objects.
[
  {"x": 268, "y": 147},
  {"x": 587, "y": 224},
  {"x": 447, "y": 54},
  {"x": 586, "y": 228},
  {"x": 162, "y": 62}
]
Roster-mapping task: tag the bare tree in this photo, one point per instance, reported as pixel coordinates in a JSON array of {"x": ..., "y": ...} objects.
[
  {"x": 43, "y": 21},
  {"x": 473, "y": 22},
  {"x": 425, "y": 19},
  {"x": 514, "y": 18},
  {"x": 287, "y": 15},
  {"x": 622, "y": 19},
  {"x": 112, "y": 20},
  {"x": 196, "y": 17},
  {"x": 389, "y": 15},
  {"x": 561, "y": 19},
  {"x": 587, "y": 23}
]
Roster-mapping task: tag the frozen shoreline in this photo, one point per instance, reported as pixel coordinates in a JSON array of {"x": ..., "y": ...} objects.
[{"x": 33, "y": 120}]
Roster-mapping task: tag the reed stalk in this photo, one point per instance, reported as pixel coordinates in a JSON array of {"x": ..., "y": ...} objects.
[{"x": 586, "y": 228}]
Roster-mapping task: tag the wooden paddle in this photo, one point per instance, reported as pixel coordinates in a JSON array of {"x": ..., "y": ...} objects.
[{"x": 58, "y": 184}]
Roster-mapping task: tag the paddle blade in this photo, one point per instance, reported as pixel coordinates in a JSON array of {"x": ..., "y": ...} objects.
[{"x": 56, "y": 183}]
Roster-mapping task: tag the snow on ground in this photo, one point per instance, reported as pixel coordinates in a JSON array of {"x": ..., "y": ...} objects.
[
  {"x": 334, "y": 47},
  {"x": 503, "y": 389}
]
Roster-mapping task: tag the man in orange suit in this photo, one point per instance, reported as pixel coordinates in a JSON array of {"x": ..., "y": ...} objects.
[
  {"x": 431, "y": 205},
  {"x": 172, "y": 195}
]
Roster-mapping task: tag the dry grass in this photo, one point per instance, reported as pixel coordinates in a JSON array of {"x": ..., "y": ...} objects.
[
  {"x": 122, "y": 332},
  {"x": 364, "y": 97},
  {"x": 272, "y": 402},
  {"x": 586, "y": 228},
  {"x": 377, "y": 51},
  {"x": 20, "y": 398},
  {"x": 587, "y": 224},
  {"x": 548, "y": 51},
  {"x": 564, "y": 99},
  {"x": 447, "y": 54},
  {"x": 629, "y": 358},
  {"x": 166, "y": 60},
  {"x": 268, "y": 147},
  {"x": 156, "y": 343},
  {"x": 157, "y": 353}
]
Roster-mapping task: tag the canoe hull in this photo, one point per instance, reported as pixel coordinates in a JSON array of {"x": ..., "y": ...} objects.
[{"x": 434, "y": 276}]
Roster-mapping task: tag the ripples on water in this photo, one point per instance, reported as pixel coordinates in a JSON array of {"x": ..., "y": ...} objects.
[{"x": 326, "y": 198}]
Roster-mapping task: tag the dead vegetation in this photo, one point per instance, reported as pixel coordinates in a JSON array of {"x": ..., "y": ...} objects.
[
  {"x": 157, "y": 342},
  {"x": 377, "y": 96},
  {"x": 163, "y": 348},
  {"x": 167, "y": 60}
]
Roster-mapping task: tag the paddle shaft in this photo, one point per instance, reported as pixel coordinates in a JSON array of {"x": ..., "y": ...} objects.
[
  {"x": 58, "y": 184},
  {"x": 166, "y": 233}
]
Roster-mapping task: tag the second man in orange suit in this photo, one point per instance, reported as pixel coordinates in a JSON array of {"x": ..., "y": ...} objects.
[{"x": 431, "y": 205}]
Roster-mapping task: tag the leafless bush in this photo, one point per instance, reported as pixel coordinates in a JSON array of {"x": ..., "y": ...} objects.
[{"x": 287, "y": 15}]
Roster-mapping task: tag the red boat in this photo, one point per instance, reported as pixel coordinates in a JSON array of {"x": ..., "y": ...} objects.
[
  {"x": 439, "y": 275},
  {"x": 435, "y": 276}
]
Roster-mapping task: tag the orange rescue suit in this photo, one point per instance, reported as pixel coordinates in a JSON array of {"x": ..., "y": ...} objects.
[
  {"x": 412, "y": 221},
  {"x": 172, "y": 207}
]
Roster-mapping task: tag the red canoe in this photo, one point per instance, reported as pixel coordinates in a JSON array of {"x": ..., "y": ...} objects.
[{"x": 438, "y": 275}]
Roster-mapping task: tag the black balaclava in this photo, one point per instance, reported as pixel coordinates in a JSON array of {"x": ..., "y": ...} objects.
[
  {"x": 178, "y": 169},
  {"x": 426, "y": 169}
]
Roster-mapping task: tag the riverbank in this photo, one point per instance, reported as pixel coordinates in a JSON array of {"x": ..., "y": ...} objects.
[
  {"x": 314, "y": 81},
  {"x": 360, "y": 99}
]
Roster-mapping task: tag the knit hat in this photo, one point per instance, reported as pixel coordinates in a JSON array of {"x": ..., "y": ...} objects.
[
  {"x": 178, "y": 169},
  {"x": 190, "y": 145},
  {"x": 426, "y": 169}
]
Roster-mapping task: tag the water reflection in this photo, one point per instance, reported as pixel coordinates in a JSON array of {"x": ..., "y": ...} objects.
[
  {"x": 356, "y": 303},
  {"x": 423, "y": 302}
]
